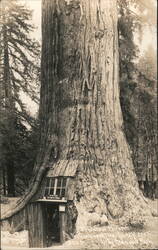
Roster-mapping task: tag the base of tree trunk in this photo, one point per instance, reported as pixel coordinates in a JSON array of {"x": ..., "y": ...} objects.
[{"x": 95, "y": 211}]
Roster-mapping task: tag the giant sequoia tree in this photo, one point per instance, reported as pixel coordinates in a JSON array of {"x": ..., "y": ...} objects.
[{"x": 81, "y": 119}]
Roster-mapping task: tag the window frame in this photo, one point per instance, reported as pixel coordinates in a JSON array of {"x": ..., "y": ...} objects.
[{"x": 61, "y": 188}]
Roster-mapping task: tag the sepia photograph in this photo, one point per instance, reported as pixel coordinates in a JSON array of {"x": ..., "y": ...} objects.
[{"x": 78, "y": 125}]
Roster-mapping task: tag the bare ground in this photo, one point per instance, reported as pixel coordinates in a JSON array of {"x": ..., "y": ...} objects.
[{"x": 107, "y": 237}]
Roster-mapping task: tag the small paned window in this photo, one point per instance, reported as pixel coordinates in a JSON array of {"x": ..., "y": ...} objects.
[{"x": 55, "y": 187}]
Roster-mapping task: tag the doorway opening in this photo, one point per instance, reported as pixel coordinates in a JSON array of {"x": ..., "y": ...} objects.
[{"x": 52, "y": 224}]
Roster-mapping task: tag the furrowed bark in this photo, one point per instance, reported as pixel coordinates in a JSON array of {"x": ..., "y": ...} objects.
[{"x": 81, "y": 119}]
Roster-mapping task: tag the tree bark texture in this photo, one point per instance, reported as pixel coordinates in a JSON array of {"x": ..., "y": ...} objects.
[{"x": 81, "y": 119}]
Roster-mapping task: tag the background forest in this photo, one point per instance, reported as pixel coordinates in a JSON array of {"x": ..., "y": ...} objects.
[{"x": 20, "y": 80}]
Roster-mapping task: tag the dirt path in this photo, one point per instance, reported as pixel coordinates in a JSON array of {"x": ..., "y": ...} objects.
[{"x": 109, "y": 237}]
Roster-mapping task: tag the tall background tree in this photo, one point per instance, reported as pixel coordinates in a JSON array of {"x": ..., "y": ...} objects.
[
  {"x": 19, "y": 61},
  {"x": 138, "y": 82}
]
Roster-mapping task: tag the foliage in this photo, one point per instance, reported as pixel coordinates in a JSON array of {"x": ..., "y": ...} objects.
[
  {"x": 147, "y": 65},
  {"x": 127, "y": 26},
  {"x": 137, "y": 85},
  {"x": 19, "y": 147},
  {"x": 19, "y": 60},
  {"x": 19, "y": 57}
]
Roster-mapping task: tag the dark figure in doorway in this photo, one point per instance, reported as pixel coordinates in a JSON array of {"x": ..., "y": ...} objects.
[{"x": 53, "y": 225}]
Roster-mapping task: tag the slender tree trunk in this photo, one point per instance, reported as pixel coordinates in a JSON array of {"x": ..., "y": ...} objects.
[
  {"x": 10, "y": 179},
  {"x": 81, "y": 119},
  {"x": 10, "y": 115},
  {"x": 4, "y": 182}
]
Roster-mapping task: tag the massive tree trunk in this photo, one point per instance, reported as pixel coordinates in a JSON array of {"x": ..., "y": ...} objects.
[{"x": 81, "y": 120}]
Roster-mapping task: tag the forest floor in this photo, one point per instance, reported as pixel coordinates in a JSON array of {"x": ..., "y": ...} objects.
[{"x": 108, "y": 237}]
